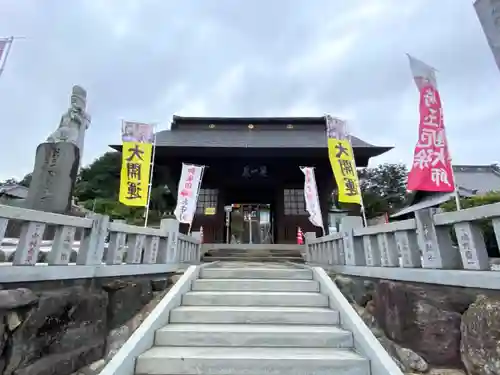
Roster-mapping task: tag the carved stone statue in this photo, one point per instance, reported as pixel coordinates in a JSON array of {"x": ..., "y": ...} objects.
[
  {"x": 58, "y": 159},
  {"x": 75, "y": 122}
]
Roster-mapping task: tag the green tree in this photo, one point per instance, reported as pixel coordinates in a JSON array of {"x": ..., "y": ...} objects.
[
  {"x": 485, "y": 225},
  {"x": 97, "y": 188},
  {"x": 383, "y": 188},
  {"x": 10, "y": 181},
  {"x": 101, "y": 179},
  {"x": 26, "y": 181}
]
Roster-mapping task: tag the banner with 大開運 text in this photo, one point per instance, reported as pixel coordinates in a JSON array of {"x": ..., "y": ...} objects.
[
  {"x": 137, "y": 148},
  {"x": 311, "y": 197},
  {"x": 431, "y": 169},
  {"x": 188, "y": 190},
  {"x": 341, "y": 158}
]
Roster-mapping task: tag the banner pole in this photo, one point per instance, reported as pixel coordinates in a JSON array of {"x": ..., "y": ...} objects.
[
  {"x": 456, "y": 193},
  {"x": 361, "y": 202},
  {"x": 152, "y": 165}
]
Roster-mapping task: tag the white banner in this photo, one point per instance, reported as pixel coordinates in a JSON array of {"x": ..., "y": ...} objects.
[
  {"x": 311, "y": 197},
  {"x": 187, "y": 195}
]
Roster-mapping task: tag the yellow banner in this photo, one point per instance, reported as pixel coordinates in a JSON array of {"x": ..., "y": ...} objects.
[
  {"x": 134, "y": 176},
  {"x": 344, "y": 169}
]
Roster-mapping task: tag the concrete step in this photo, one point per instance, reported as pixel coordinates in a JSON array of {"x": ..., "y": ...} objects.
[
  {"x": 253, "y": 335},
  {"x": 254, "y": 361},
  {"x": 257, "y": 315},
  {"x": 254, "y": 253},
  {"x": 292, "y": 299},
  {"x": 253, "y": 259},
  {"x": 256, "y": 273},
  {"x": 255, "y": 285}
]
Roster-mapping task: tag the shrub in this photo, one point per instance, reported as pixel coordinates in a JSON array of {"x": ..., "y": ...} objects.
[{"x": 486, "y": 226}]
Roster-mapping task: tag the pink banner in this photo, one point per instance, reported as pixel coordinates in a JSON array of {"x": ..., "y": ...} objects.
[{"x": 431, "y": 169}]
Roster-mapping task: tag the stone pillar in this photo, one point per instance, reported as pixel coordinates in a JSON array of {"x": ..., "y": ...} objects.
[
  {"x": 353, "y": 246},
  {"x": 54, "y": 176}
]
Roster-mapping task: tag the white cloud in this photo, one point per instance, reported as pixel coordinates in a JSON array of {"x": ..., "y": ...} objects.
[{"x": 325, "y": 54}]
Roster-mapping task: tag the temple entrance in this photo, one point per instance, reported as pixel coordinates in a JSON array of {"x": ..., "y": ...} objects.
[
  {"x": 249, "y": 223},
  {"x": 251, "y": 161}
]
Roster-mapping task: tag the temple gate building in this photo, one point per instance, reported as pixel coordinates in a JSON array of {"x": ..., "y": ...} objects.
[{"x": 253, "y": 163}]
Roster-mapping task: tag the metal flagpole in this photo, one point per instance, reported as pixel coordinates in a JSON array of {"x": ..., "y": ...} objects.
[
  {"x": 361, "y": 203},
  {"x": 457, "y": 196},
  {"x": 455, "y": 192},
  {"x": 150, "y": 185},
  {"x": 197, "y": 196}
]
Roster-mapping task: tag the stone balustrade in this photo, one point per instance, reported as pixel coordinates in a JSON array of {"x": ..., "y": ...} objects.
[
  {"x": 409, "y": 250},
  {"x": 130, "y": 250}
]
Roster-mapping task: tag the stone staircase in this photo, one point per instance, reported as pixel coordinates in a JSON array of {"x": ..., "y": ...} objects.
[
  {"x": 253, "y": 319},
  {"x": 255, "y": 253}
]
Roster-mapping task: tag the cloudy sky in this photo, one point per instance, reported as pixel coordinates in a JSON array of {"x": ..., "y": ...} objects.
[{"x": 149, "y": 59}]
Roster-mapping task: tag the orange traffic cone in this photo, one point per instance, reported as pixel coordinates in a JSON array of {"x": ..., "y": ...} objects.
[
  {"x": 300, "y": 237},
  {"x": 201, "y": 234}
]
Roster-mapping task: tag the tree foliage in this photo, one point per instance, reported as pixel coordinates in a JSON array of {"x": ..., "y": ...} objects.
[
  {"x": 383, "y": 188},
  {"x": 97, "y": 188},
  {"x": 101, "y": 179},
  {"x": 485, "y": 225},
  {"x": 26, "y": 181},
  {"x": 474, "y": 201},
  {"x": 10, "y": 181},
  {"x": 98, "y": 185}
]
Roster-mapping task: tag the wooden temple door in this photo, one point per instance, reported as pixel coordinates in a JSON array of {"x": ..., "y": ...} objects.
[
  {"x": 293, "y": 215},
  {"x": 210, "y": 215}
]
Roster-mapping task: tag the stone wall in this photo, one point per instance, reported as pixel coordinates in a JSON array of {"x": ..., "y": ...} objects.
[
  {"x": 430, "y": 328},
  {"x": 58, "y": 327}
]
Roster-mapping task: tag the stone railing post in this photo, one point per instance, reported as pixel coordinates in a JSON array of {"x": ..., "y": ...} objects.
[
  {"x": 169, "y": 252},
  {"x": 435, "y": 242},
  {"x": 116, "y": 246},
  {"x": 407, "y": 243},
  {"x": 472, "y": 246},
  {"x": 388, "y": 248},
  {"x": 373, "y": 257},
  {"x": 29, "y": 243},
  {"x": 136, "y": 243},
  {"x": 92, "y": 243},
  {"x": 197, "y": 253},
  {"x": 62, "y": 246},
  {"x": 353, "y": 247},
  {"x": 308, "y": 236}
]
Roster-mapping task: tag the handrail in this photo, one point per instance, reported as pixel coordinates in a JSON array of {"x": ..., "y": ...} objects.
[
  {"x": 424, "y": 242},
  {"x": 104, "y": 243}
]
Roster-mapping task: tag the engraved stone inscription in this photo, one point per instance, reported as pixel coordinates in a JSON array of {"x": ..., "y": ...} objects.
[{"x": 472, "y": 246}]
